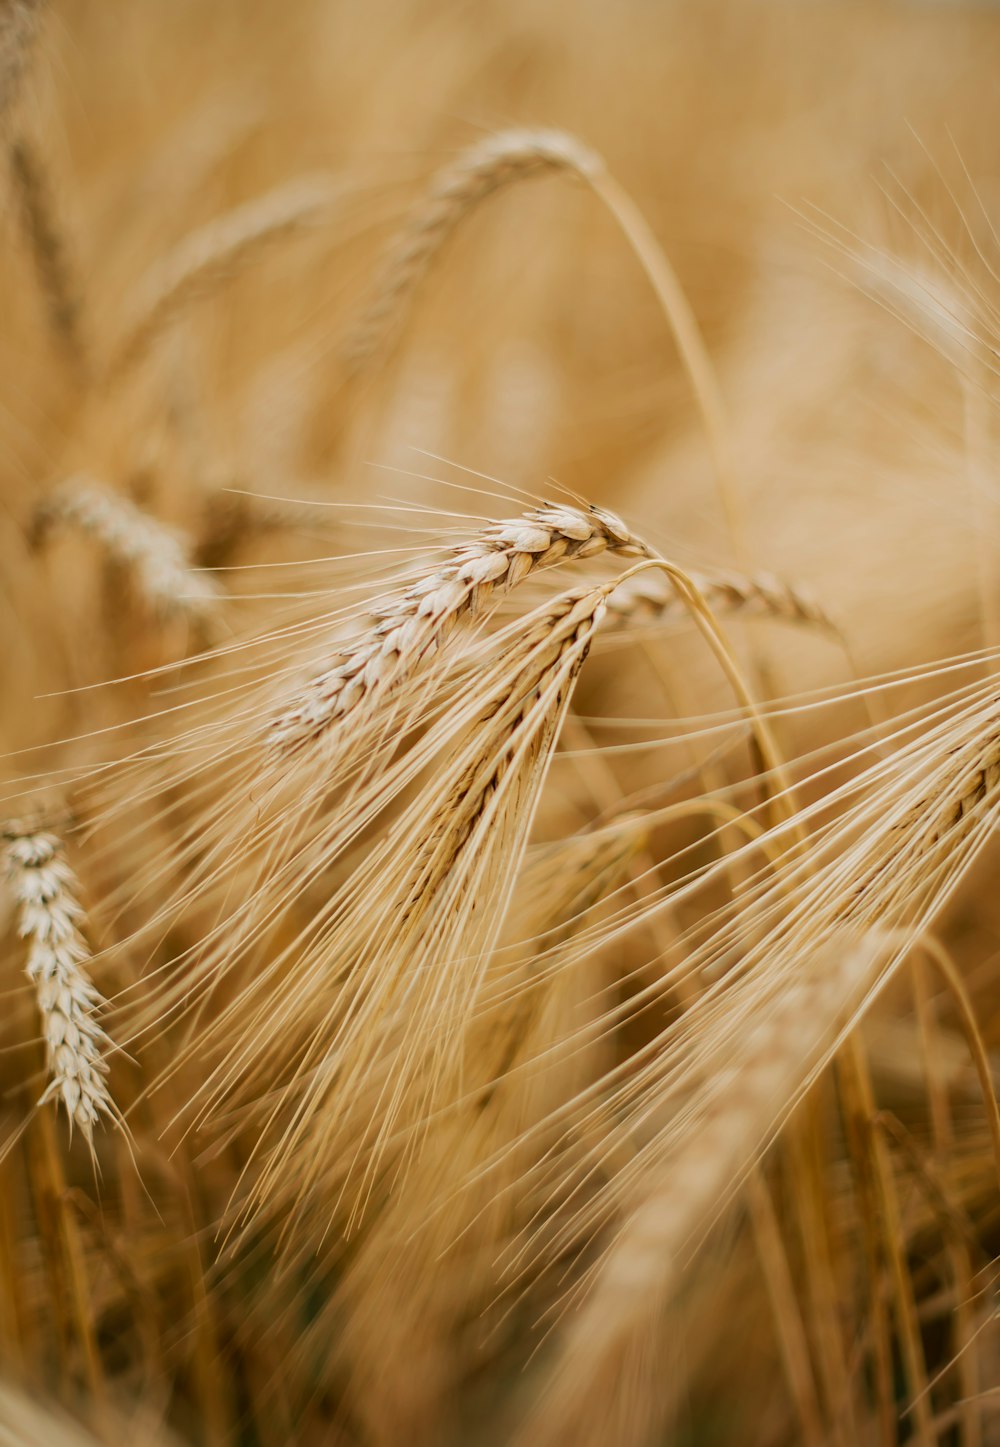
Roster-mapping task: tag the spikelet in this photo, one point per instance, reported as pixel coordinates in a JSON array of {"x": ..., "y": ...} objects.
[
  {"x": 415, "y": 623},
  {"x": 49, "y": 915},
  {"x": 152, "y": 553},
  {"x": 476, "y": 174}
]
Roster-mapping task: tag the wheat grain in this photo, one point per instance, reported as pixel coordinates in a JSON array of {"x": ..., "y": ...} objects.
[
  {"x": 205, "y": 257},
  {"x": 153, "y": 554},
  {"x": 413, "y": 624},
  {"x": 49, "y": 916},
  {"x": 476, "y": 174}
]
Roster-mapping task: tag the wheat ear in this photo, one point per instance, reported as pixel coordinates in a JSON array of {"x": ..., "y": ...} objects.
[
  {"x": 412, "y": 624},
  {"x": 586, "y": 1398},
  {"x": 940, "y": 811},
  {"x": 204, "y": 258},
  {"x": 477, "y": 173},
  {"x": 49, "y": 915},
  {"x": 972, "y": 778},
  {"x": 153, "y": 554},
  {"x": 50, "y": 252},
  {"x": 19, "y": 21},
  {"x": 651, "y": 599}
]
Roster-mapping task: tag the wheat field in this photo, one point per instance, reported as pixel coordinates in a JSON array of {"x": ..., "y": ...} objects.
[{"x": 499, "y": 723}]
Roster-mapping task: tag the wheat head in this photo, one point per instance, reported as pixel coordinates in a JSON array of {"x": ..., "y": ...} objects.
[{"x": 49, "y": 917}]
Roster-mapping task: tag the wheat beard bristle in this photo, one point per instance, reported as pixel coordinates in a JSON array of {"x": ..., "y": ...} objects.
[
  {"x": 414, "y": 984},
  {"x": 49, "y": 914},
  {"x": 413, "y": 624}
]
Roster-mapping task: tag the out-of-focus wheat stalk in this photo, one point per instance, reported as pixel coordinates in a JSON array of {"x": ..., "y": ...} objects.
[
  {"x": 492, "y": 164},
  {"x": 648, "y": 599},
  {"x": 600, "y": 1388}
]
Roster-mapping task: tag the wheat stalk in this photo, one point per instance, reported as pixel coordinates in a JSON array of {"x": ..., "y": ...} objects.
[
  {"x": 875, "y": 882},
  {"x": 413, "y": 624},
  {"x": 154, "y": 555},
  {"x": 49, "y": 915},
  {"x": 204, "y": 258},
  {"x": 477, "y": 173}
]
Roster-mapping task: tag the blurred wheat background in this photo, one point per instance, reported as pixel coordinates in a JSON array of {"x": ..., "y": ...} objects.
[{"x": 499, "y": 723}]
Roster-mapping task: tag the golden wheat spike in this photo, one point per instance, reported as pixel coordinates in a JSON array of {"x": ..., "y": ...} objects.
[
  {"x": 19, "y": 22},
  {"x": 49, "y": 916},
  {"x": 476, "y": 174},
  {"x": 412, "y": 931},
  {"x": 415, "y": 623},
  {"x": 154, "y": 554},
  {"x": 204, "y": 258},
  {"x": 651, "y": 599}
]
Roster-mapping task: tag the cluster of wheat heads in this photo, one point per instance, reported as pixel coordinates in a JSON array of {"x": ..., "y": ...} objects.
[{"x": 478, "y": 969}]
